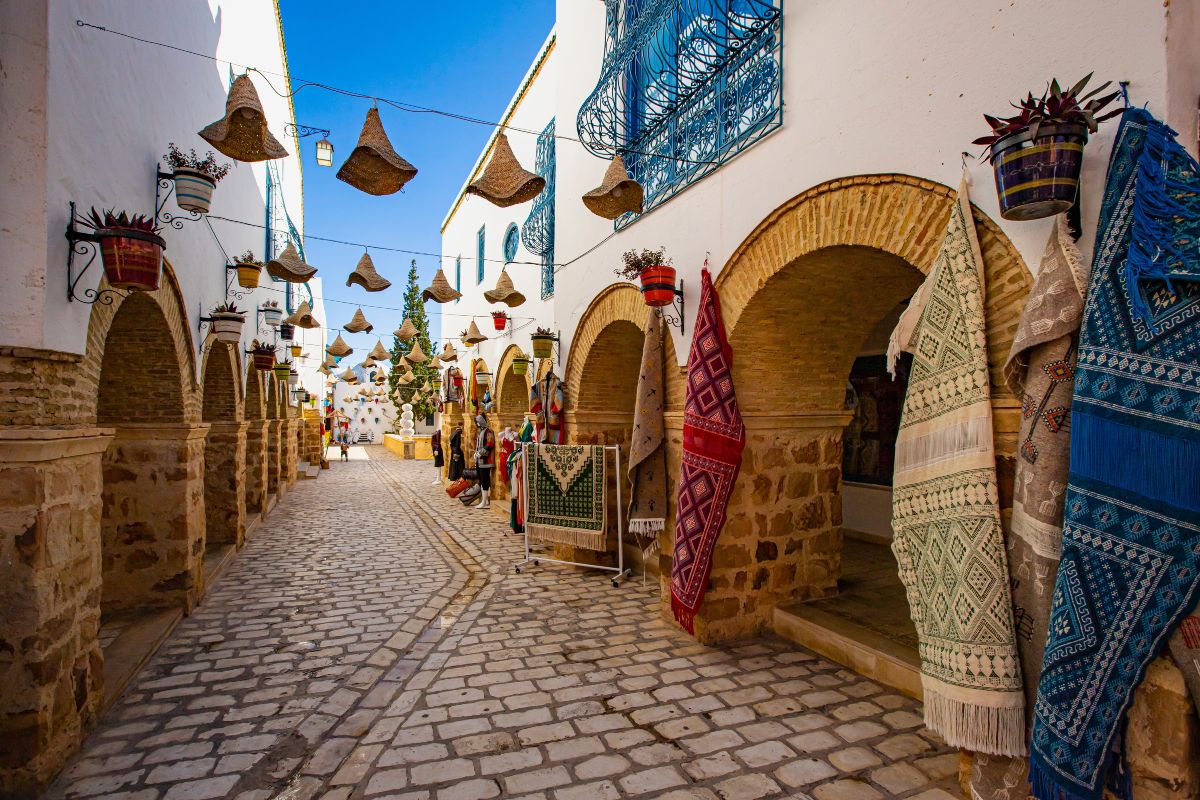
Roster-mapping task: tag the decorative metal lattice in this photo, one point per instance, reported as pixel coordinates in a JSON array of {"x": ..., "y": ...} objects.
[
  {"x": 538, "y": 231},
  {"x": 279, "y": 231},
  {"x": 685, "y": 86}
]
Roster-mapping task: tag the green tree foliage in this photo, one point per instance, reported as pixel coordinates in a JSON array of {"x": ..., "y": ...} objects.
[{"x": 414, "y": 309}]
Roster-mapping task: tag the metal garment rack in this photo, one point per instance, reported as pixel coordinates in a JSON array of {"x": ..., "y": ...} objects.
[{"x": 620, "y": 570}]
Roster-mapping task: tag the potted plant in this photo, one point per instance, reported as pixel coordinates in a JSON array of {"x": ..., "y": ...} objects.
[
  {"x": 249, "y": 269},
  {"x": 543, "y": 343},
  {"x": 195, "y": 178},
  {"x": 483, "y": 378},
  {"x": 264, "y": 355},
  {"x": 287, "y": 331},
  {"x": 297, "y": 350},
  {"x": 282, "y": 370},
  {"x": 293, "y": 378},
  {"x": 654, "y": 270},
  {"x": 130, "y": 249},
  {"x": 499, "y": 319},
  {"x": 227, "y": 323},
  {"x": 520, "y": 365},
  {"x": 1037, "y": 153},
  {"x": 272, "y": 314}
]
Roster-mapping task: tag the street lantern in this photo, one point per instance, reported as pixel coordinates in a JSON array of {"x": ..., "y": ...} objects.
[{"x": 324, "y": 153}]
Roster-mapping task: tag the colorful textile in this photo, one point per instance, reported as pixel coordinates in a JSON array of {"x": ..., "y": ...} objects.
[
  {"x": 516, "y": 471},
  {"x": 566, "y": 502},
  {"x": 1185, "y": 649},
  {"x": 457, "y": 460},
  {"x": 1040, "y": 370},
  {"x": 648, "y": 450},
  {"x": 713, "y": 440},
  {"x": 1130, "y": 561},
  {"x": 946, "y": 512},
  {"x": 507, "y": 440},
  {"x": 547, "y": 402}
]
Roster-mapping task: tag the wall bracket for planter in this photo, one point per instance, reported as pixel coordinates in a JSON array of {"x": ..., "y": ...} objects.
[
  {"x": 232, "y": 293},
  {"x": 165, "y": 181},
  {"x": 675, "y": 320},
  {"x": 83, "y": 241}
]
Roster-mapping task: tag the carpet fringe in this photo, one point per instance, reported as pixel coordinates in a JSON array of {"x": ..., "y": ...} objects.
[{"x": 988, "y": 729}]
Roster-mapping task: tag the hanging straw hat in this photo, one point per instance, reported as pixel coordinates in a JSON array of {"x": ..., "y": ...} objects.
[
  {"x": 448, "y": 353},
  {"x": 415, "y": 355},
  {"x": 348, "y": 376},
  {"x": 617, "y": 194},
  {"x": 324, "y": 370},
  {"x": 406, "y": 331},
  {"x": 379, "y": 353},
  {"x": 287, "y": 266},
  {"x": 435, "y": 362},
  {"x": 242, "y": 133},
  {"x": 339, "y": 348},
  {"x": 504, "y": 181},
  {"x": 505, "y": 292},
  {"x": 302, "y": 317},
  {"x": 408, "y": 377},
  {"x": 373, "y": 166},
  {"x": 367, "y": 363},
  {"x": 329, "y": 361},
  {"x": 440, "y": 291},
  {"x": 365, "y": 276},
  {"x": 402, "y": 363},
  {"x": 473, "y": 336},
  {"x": 358, "y": 323}
]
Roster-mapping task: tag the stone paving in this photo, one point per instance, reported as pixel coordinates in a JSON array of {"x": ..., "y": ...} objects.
[{"x": 373, "y": 641}]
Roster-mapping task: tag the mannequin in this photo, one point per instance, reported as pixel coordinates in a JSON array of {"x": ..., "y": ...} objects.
[
  {"x": 435, "y": 444},
  {"x": 485, "y": 459},
  {"x": 457, "y": 462}
]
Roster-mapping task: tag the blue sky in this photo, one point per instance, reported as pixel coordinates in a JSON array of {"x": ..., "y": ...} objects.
[{"x": 467, "y": 57}]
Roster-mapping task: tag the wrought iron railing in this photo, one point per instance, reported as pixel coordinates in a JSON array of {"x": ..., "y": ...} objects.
[{"x": 538, "y": 230}]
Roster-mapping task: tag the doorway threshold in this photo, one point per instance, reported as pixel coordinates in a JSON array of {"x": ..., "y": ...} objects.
[{"x": 128, "y": 641}]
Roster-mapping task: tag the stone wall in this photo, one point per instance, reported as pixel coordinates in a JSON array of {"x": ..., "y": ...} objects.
[
  {"x": 225, "y": 483},
  {"x": 257, "y": 466}
]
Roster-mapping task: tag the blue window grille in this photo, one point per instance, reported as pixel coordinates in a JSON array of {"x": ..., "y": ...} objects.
[
  {"x": 280, "y": 231},
  {"x": 685, "y": 86},
  {"x": 479, "y": 255},
  {"x": 458, "y": 275},
  {"x": 538, "y": 230},
  {"x": 512, "y": 238}
]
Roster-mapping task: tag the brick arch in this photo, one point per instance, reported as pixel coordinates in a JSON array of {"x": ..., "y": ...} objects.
[
  {"x": 272, "y": 397},
  {"x": 221, "y": 386},
  {"x": 140, "y": 380},
  {"x": 512, "y": 390},
  {"x": 254, "y": 404},
  {"x": 617, "y": 302}
]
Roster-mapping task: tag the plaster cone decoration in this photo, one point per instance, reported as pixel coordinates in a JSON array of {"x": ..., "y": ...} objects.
[
  {"x": 440, "y": 291},
  {"x": 364, "y": 275},
  {"x": 379, "y": 353},
  {"x": 504, "y": 181},
  {"x": 288, "y": 266},
  {"x": 242, "y": 133},
  {"x": 406, "y": 331},
  {"x": 303, "y": 317},
  {"x": 416, "y": 356},
  {"x": 358, "y": 323},
  {"x": 473, "y": 335},
  {"x": 339, "y": 348},
  {"x": 348, "y": 376},
  {"x": 406, "y": 422},
  {"x": 617, "y": 194},
  {"x": 505, "y": 292},
  {"x": 374, "y": 166},
  {"x": 448, "y": 353}
]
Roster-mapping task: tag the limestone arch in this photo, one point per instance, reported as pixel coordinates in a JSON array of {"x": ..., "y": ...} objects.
[
  {"x": 512, "y": 390},
  {"x": 225, "y": 446}
]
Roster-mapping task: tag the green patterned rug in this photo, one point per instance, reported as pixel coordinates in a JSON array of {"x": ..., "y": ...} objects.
[{"x": 566, "y": 495}]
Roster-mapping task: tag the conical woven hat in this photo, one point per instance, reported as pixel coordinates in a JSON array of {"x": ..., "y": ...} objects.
[
  {"x": 617, "y": 194},
  {"x": 367, "y": 363},
  {"x": 415, "y": 355},
  {"x": 242, "y": 133},
  {"x": 379, "y": 353},
  {"x": 358, "y": 323},
  {"x": 287, "y": 266},
  {"x": 435, "y": 362},
  {"x": 402, "y": 363},
  {"x": 473, "y": 336},
  {"x": 440, "y": 291},
  {"x": 406, "y": 331},
  {"x": 373, "y": 166},
  {"x": 339, "y": 348},
  {"x": 448, "y": 353},
  {"x": 407, "y": 377},
  {"x": 505, "y": 292},
  {"x": 302, "y": 317},
  {"x": 504, "y": 181},
  {"x": 324, "y": 370},
  {"x": 328, "y": 362},
  {"x": 365, "y": 276},
  {"x": 348, "y": 376}
]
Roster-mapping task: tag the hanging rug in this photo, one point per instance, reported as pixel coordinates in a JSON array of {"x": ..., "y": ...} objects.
[{"x": 566, "y": 495}]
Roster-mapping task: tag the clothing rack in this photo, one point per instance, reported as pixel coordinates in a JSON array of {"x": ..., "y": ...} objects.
[{"x": 621, "y": 572}]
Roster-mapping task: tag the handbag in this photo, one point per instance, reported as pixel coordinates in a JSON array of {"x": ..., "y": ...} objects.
[{"x": 456, "y": 488}]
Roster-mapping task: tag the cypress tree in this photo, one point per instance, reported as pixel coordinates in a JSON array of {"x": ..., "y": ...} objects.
[{"x": 414, "y": 309}]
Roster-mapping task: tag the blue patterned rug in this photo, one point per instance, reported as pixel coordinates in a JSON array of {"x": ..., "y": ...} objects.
[{"x": 1131, "y": 531}]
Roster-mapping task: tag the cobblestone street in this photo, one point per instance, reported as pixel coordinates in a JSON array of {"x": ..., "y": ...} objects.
[{"x": 372, "y": 640}]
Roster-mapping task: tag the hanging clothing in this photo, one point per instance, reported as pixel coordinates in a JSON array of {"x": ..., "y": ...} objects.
[
  {"x": 457, "y": 461},
  {"x": 435, "y": 443},
  {"x": 567, "y": 490},
  {"x": 547, "y": 402},
  {"x": 713, "y": 440},
  {"x": 946, "y": 512},
  {"x": 507, "y": 441},
  {"x": 517, "y": 473},
  {"x": 485, "y": 456},
  {"x": 647, "y": 449},
  {"x": 1129, "y": 569}
]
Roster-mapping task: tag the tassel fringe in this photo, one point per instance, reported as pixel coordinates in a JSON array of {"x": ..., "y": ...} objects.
[
  {"x": 988, "y": 729},
  {"x": 685, "y": 616},
  {"x": 954, "y": 441}
]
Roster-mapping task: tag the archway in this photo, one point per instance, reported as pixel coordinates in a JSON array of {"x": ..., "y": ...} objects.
[
  {"x": 511, "y": 398},
  {"x": 256, "y": 445},
  {"x": 224, "y": 450}
]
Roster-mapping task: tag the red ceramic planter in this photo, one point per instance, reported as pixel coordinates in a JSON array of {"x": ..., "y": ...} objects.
[
  {"x": 132, "y": 259},
  {"x": 658, "y": 286}
]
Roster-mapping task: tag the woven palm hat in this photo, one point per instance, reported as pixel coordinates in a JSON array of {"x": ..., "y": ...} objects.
[
  {"x": 407, "y": 377},
  {"x": 374, "y": 166},
  {"x": 324, "y": 369},
  {"x": 348, "y": 376},
  {"x": 403, "y": 363},
  {"x": 406, "y": 331},
  {"x": 473, "y": 336},
  {"x": 504, "y": 181},
  {"x": 505, "y": 292},
  {"x": 380, "y": 378},
  {"x": 365, "y": 275},
  {"x": 448, "y": 353},
  {"x": 416, "y": 355},
  {"x": 358, "y": 323},
  {"x": 242, "y": 133},
  {"x": 287, "y": 266},
  {"x": 367, "y": 363},
  {"x": 435, "y": 362},
  {"x": 379, "y": 353},
  {"x": 440, "y": 291},
  {"x": 339, "y": 348},
  {"x": 328, "y": 362},
  {"x": 302, "y": 317},
  {"x": 617, "y": 194}
]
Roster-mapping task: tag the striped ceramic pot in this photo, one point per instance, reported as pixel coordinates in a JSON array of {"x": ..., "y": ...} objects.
[
  {"x": 1038, "y": 177},
  {"x": 193, "y": 190},
  {"x": 227, "y": 326}
]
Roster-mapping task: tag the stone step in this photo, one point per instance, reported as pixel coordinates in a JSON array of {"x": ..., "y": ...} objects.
[
  {"x": 852, "y": 645},
  {"x": 313, "y": 470}
]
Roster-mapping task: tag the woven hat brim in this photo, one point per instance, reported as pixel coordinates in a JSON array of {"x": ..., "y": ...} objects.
[
  {"x": 471, "y": 341},
  {"x": 375, "y": 284},
  {"x": 510, "y": 297},
  {"x": 439, "y": 295},
  {"x": 604, "y": 202},
  {"x": 523, "y": 190},
  {"x": 290, "y": 270},
  {"x": 355, "y": 328}
]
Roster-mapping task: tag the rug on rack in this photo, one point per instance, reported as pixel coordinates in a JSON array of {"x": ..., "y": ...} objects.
[
  {"x": 648, "y": 448},
  {"x": 1130, "y": 561},
  {"x": 566, "y": 495},
  {"x": 946, "y": 515},
  {"x": 1040, "y": 370},
  {"x": 713, "y": 440}
]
